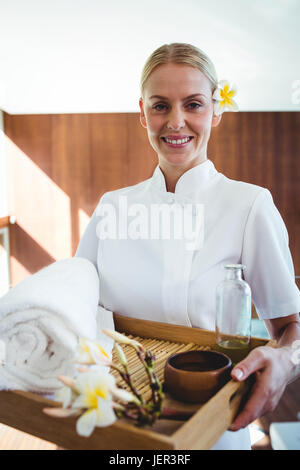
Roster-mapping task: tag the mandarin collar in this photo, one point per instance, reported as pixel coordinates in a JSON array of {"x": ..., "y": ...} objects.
[{"x": 193, "y": 180}]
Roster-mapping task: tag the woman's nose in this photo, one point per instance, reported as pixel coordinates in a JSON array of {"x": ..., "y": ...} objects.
[{"x": 176, "y": 119}]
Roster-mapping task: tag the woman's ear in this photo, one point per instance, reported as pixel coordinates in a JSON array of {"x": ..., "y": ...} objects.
[
  {"x": 142, "y": 114},
  {"x": 216, "y": 120}
]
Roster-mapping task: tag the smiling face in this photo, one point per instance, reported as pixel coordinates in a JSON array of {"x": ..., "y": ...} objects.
[{"x": 177, "y": 111}]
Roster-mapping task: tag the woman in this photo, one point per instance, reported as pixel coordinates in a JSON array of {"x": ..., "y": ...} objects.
[{"x": 163, "y": 277}]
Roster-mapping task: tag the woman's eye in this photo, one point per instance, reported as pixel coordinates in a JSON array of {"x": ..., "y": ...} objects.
[
  {"x": 162, "y": 107},
  {"x": 159, "y": 107},
  {"x": 195, "y": 105}
]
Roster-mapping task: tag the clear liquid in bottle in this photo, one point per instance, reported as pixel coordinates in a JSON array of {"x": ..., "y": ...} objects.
[{"x": 233, "y": 315}]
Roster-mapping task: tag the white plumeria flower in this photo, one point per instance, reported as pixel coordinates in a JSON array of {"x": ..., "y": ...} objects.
[
  {"x": 90, "y": 352},
  {"x": 121, "y": 355},
  {"x": 68, "y": 381},
  {"x": 64, "y": 395},
  {"x": 223, "y": 98},
  {"x": 125, "y": 396},
  {"x": 121, "y": 338},
  {"x": 101, "y": 416},
  {"x": 94, "y": 388},
  {"x": 61, "y": 412}
]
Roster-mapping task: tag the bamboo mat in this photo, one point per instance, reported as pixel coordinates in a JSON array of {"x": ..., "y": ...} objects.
[{"x": 161, "y": 349}]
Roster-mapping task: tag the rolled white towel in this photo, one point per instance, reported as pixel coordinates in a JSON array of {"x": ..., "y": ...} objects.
[{"x": 41, "y": 319}]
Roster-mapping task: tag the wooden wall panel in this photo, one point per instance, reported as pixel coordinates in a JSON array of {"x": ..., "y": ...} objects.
[
  {"x": 141, "y": 157},
  {"x": 60, "y": 165}
]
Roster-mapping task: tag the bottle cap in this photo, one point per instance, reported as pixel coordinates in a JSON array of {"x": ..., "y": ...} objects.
[{"x": 235, "y": 266}]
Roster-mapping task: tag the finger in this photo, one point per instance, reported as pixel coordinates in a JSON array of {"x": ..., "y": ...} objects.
[
  {"x": 253, "y": 362},
  {"x": 256, "y": 405}
]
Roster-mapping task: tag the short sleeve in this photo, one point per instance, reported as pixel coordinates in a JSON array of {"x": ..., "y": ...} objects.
[
  {"x": 267, "y": 257},
  {"x": 88, "y": 245}
]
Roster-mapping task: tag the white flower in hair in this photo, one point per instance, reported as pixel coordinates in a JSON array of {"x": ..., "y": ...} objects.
[{"x": 223, "y": 98}]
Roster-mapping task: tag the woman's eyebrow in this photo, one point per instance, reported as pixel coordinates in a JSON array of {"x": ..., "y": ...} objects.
[{"x": 188, "y": 97}]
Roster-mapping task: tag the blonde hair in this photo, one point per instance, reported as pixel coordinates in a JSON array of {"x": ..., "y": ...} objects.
[{"x": 179, "y": 53}]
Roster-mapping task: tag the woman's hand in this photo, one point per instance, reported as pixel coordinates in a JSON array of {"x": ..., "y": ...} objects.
[{"x": 272, "y": 368}]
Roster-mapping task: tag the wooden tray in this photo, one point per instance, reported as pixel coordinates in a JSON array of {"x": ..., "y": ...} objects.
[{"x": 23, "y": 410}]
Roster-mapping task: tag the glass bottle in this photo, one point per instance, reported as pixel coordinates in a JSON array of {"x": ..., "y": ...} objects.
[{"x": 233, "y": 315}]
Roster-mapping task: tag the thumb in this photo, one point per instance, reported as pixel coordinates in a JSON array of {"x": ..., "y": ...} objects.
[{"x": 253, "y": 362}]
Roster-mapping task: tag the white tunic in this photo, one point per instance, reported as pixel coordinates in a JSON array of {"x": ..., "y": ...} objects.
[{"x": 162, "y": 280}]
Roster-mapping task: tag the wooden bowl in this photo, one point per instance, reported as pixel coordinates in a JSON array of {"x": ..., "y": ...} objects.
[{"x": 195, "y": 376}]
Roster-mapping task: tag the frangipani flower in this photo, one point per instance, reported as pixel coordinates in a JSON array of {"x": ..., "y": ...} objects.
[
  {"x": 61, "y": 412},
  {"x": 124, "y": 395},
  {"x": 122, "y": 338},
  {"x": 121, "y": 355},
  {"x": 90, "y": 395},
  {"x": 90, "y": 352},
  {"x": 223, "y": 98},
  {"x": 95, "y": 397},
  {"x": 64, "y": 395}
]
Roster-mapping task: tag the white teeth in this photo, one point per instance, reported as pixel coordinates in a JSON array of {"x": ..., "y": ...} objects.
[{"x": 179, "y": 141}]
